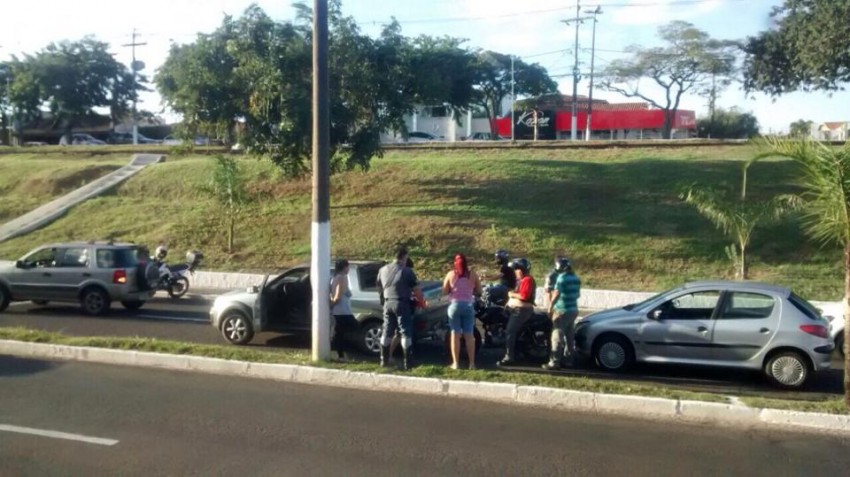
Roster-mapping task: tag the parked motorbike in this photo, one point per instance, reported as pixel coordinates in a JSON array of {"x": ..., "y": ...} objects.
[
  {"x": 533, "y": 341},
  {"x": 174, "y": 279}
]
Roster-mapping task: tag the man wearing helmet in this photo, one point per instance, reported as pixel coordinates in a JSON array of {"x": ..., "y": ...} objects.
[
  {"x": 563, "y": 308},
  {"x": 506, "y": 277},
  {"x": 520, "y": 306}
]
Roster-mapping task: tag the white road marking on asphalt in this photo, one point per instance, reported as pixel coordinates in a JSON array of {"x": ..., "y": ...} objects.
[
  {"x": 58, "y": 435},
  {"x": 171, "y": 318},
  {"x": 20, "y": 303}
]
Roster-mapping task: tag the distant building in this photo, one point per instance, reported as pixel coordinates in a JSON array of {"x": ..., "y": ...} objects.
[{"x": 831, "y": 131}]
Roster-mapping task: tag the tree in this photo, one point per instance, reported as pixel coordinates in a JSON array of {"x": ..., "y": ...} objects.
[
  {"x": 199, "y": 80},
  {"x": 805, "y": 50},
  {"x": 728, "y": 124},
  {"x": 737, "y": 217},
  {"x": 494, "y": 82},
  {"x": 825, "y": 202},
  {"x": 227, "y": 187},
  {"x": 800, "y": 128},
  {"x": 691, "y": 61},
  {"x": 257, "y": 72},
  {"x": 74, "y": 78}
]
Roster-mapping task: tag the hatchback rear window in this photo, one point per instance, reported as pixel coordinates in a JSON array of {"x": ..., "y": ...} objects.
[
  {"x": 116, "y": 258},
  {"x": 805, "y": 307}
]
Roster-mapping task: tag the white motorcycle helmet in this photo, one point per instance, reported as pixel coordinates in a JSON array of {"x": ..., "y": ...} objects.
[{"x": 161, "y": 252}]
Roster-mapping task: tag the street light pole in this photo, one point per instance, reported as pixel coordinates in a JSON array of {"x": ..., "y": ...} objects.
[
  {"x": 595, "y": 12},
  {"x": 320, "y": 263}
]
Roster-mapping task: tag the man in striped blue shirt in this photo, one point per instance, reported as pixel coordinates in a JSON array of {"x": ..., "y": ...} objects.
[{"x": 563, "y": 308}]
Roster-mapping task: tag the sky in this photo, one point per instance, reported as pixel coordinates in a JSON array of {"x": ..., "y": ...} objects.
[{"x": 531, "y": 29}]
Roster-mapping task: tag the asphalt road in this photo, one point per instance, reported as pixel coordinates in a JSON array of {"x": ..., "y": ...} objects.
[
  {"x": 128, "y": 421},
  {"x": 186, "y": 319}
]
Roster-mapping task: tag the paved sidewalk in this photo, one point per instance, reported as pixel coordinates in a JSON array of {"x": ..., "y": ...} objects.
[{"x": 53, "y": 210}]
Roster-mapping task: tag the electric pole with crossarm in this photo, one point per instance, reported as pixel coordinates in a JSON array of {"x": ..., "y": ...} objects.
[{"x": 135, "y": 66}]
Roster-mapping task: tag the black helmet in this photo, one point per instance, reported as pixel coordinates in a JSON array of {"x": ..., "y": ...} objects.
[
  {"x": 520, "y": 264},
  {"x": 502, "y": 256},
  {"x": 562, "y": 264}
]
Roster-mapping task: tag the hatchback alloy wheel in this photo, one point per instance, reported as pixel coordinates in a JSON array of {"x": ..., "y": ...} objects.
[
  {"x": 788, "y": 370},
  {"x": 614, "y": 353}
]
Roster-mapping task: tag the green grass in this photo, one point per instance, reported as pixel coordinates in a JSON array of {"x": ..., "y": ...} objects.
[
  {"x": 615, "y": 211},
  {"x": 832, "y": 406},
  {"x": 826, "y": 406}
]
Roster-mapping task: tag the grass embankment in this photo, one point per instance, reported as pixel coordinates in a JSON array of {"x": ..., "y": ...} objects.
[
  {"x": 27, "y": 181},
  {"x": 616, "y": 212},
  {"x": 832, "y": 406}
]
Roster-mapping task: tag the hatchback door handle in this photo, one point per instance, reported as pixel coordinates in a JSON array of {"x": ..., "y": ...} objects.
[
  {"x": 764, "y": 331},
  {"x": 702, "y": 329}
]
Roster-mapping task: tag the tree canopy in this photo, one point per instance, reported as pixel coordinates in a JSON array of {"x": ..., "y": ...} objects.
[
  {"x": 800, "y": 128},
  {"x": 252, "y": 78},
  {"x": 728, "y": 124},
  {"x": 690, "y": 62},
  {"x": 71, "y": 79},
  {"x": 805, "y": 50}
]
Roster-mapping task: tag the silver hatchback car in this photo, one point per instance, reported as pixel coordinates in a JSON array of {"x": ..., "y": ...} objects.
[{"x": 716, "y": 323}]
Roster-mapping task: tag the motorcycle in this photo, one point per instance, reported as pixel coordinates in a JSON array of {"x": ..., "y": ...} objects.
[
  {"x": 533, "y": 340},
  {"x": 175, "y": 279}
]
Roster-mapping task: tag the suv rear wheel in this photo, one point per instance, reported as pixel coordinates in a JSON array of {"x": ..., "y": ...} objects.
[{"x": 94, "y": 301}]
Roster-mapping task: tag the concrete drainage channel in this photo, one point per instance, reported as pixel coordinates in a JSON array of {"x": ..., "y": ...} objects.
[
  {"x": 561, "y": 399},
  {"x": 51, "y": 211}
]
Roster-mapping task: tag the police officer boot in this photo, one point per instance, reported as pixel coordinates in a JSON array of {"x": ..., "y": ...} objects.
[
  {"x": 385, "y": 354},
  {"x": 408, "y": 359}
]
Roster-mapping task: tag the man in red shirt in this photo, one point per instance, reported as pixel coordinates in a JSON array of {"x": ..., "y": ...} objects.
[{"x": 520, "y": 307}]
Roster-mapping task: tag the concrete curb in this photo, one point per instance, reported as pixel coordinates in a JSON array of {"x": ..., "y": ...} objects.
[
  {"x": 562, "y": 399},
  {"x": 51, "y": 211}
]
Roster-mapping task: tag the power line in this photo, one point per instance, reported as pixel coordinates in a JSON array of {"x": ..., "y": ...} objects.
[{"x": 654, "y": 3}]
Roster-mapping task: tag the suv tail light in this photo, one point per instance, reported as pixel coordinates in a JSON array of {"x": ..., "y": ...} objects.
[
  {"x": 817, "y": 330},
  {"x": 119, "y": 277}
]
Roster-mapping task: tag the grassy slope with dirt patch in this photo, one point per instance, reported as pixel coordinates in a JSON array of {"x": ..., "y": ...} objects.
[
  {"x": 616, "y": 212},
  {"x": 27, "y": 181}
]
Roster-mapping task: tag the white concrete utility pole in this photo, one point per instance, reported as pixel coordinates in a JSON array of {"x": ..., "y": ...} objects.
[
  {"x": 320, "y": 269},
  {"x": 135, "y": 67}
]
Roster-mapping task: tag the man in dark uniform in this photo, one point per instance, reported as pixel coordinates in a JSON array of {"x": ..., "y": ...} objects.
[{"x": 397, "y": 283}]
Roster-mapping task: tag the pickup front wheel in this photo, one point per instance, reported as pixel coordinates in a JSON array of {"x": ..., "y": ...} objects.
[
  {"x": 236, "y": 328},
  {"x": 370, "y": 337}
]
